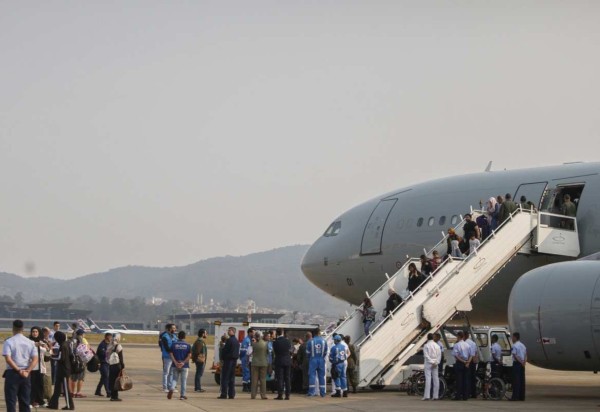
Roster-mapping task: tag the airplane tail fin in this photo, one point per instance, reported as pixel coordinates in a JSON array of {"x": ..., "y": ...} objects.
[
  {"x": 82, "y": 325},
  {"x": 93, "y": 324}
]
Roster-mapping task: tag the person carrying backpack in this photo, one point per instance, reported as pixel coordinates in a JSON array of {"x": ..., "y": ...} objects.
[
  {"x": 116, "y": 365},
  {"x": 368, "y": 313},
  {"x": 199, "y": 352},
  {"x": 77, "y": 364}
]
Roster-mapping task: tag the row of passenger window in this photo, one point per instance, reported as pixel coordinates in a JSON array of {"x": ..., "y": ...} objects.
[{"x": 441, "y": 221}]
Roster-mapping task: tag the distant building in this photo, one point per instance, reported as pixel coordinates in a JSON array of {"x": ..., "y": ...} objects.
[{"x": 40, "y": 314}]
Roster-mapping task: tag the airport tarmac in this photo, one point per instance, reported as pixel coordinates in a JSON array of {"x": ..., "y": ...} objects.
[{"x": 546, "y": 390}]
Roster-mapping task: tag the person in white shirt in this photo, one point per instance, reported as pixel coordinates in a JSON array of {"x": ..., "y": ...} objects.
[
  {"x": 21, "y": 358},
  {"x": 433, "y": 357},
  {"x": 474, "y": 243},
  {"x": 437, "y": 338}
]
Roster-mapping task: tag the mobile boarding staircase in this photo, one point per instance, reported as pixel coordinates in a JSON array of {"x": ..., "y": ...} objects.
[{"x": 393, "y": 339}]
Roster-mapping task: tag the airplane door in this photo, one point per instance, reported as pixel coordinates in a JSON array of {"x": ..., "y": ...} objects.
[
  {"x": 373, "y": 234},
  {"x": 532, "y": 191}
]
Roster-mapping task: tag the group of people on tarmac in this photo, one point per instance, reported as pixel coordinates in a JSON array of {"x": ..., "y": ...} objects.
[
  {"x": 176, "y": 357},
  {"x": 47, "y": 365},
  {"x": 466, "y": 363},
  {"x": 260, "y": 356}
]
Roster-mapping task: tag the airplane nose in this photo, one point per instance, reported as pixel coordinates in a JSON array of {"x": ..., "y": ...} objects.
[{"x": 310, "y": 264}]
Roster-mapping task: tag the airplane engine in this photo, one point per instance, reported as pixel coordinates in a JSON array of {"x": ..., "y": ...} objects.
[{"x": 556, "y": 309}]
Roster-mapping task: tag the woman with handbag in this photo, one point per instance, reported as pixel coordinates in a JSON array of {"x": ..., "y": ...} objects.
[
  {"x": 37, "y": 380},
  {"x": 114, "y": 354}
]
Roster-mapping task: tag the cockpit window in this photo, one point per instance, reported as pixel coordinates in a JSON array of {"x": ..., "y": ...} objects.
[{"x": 333, "y": 229}]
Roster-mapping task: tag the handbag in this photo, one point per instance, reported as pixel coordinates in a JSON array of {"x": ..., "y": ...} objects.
[{"x": 123, "y": 382}]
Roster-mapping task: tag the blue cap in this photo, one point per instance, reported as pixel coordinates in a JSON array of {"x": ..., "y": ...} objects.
[{"x": 337, "y": 338}]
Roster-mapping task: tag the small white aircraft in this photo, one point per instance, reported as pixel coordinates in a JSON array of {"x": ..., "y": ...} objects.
[{"x": 96, "y": 329}]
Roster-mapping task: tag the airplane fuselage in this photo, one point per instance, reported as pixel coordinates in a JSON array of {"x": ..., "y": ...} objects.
[{"x": 375, "y": 238}]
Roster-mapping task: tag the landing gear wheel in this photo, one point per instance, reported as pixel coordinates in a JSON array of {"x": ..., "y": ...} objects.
[{"x": 377, "y": 387}]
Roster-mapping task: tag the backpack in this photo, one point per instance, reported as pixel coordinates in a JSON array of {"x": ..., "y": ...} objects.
[
  {"x": 370, "y": 314},
  {"x": 84, "y": 353},
  {"x": 77, "y": 365},
  {"x": 160, "y": 340},
  {"x": 198, "y": 351},
  {"x": 93, "y": 365}
]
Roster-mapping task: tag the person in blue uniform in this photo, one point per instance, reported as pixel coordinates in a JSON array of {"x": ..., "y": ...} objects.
[
  {"x": 519, "y": 354},
  {"x": 460, "y": 350},
  {"x": 245, "y": 359},
  {"x": 316, "y": 351},
  {"x": 496, "y": 357},
  {"x": 473, "y": 353},
  {"x": 231, "y": 353},
  {"x": 181, "y": 352},
  {"x": 21, "y": 357},
  {"x": 337, "y": 357},
  {"x": 166, "y": 340}
]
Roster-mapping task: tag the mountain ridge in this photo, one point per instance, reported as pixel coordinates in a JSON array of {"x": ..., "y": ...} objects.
[{"x": 271, "y": 278}]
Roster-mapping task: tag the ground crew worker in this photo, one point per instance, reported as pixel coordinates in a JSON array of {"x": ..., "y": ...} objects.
[
  {"x": 337, "y": 357},
  {"x": 316, "y": 351},
  {"x": 461, "y": 366},
  {"x": 519, "y": 354},
  {"x": 245, "y": 360},
  {"x": 496, "y": 357},
  {"x": 473, "y": 353}
]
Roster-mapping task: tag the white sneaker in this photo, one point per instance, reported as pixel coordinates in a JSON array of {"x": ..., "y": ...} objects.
[
  {"x": 425, "y": 399},
  {"x": 175, "y": 391},
  {"x": 165, "y": 390}
]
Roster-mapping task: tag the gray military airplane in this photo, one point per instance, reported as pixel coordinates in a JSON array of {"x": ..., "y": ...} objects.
[{"x": 374, "y": 238}]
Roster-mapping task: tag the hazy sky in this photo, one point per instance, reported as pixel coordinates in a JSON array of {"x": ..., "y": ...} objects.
[{"x": 162, "y": 133}]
